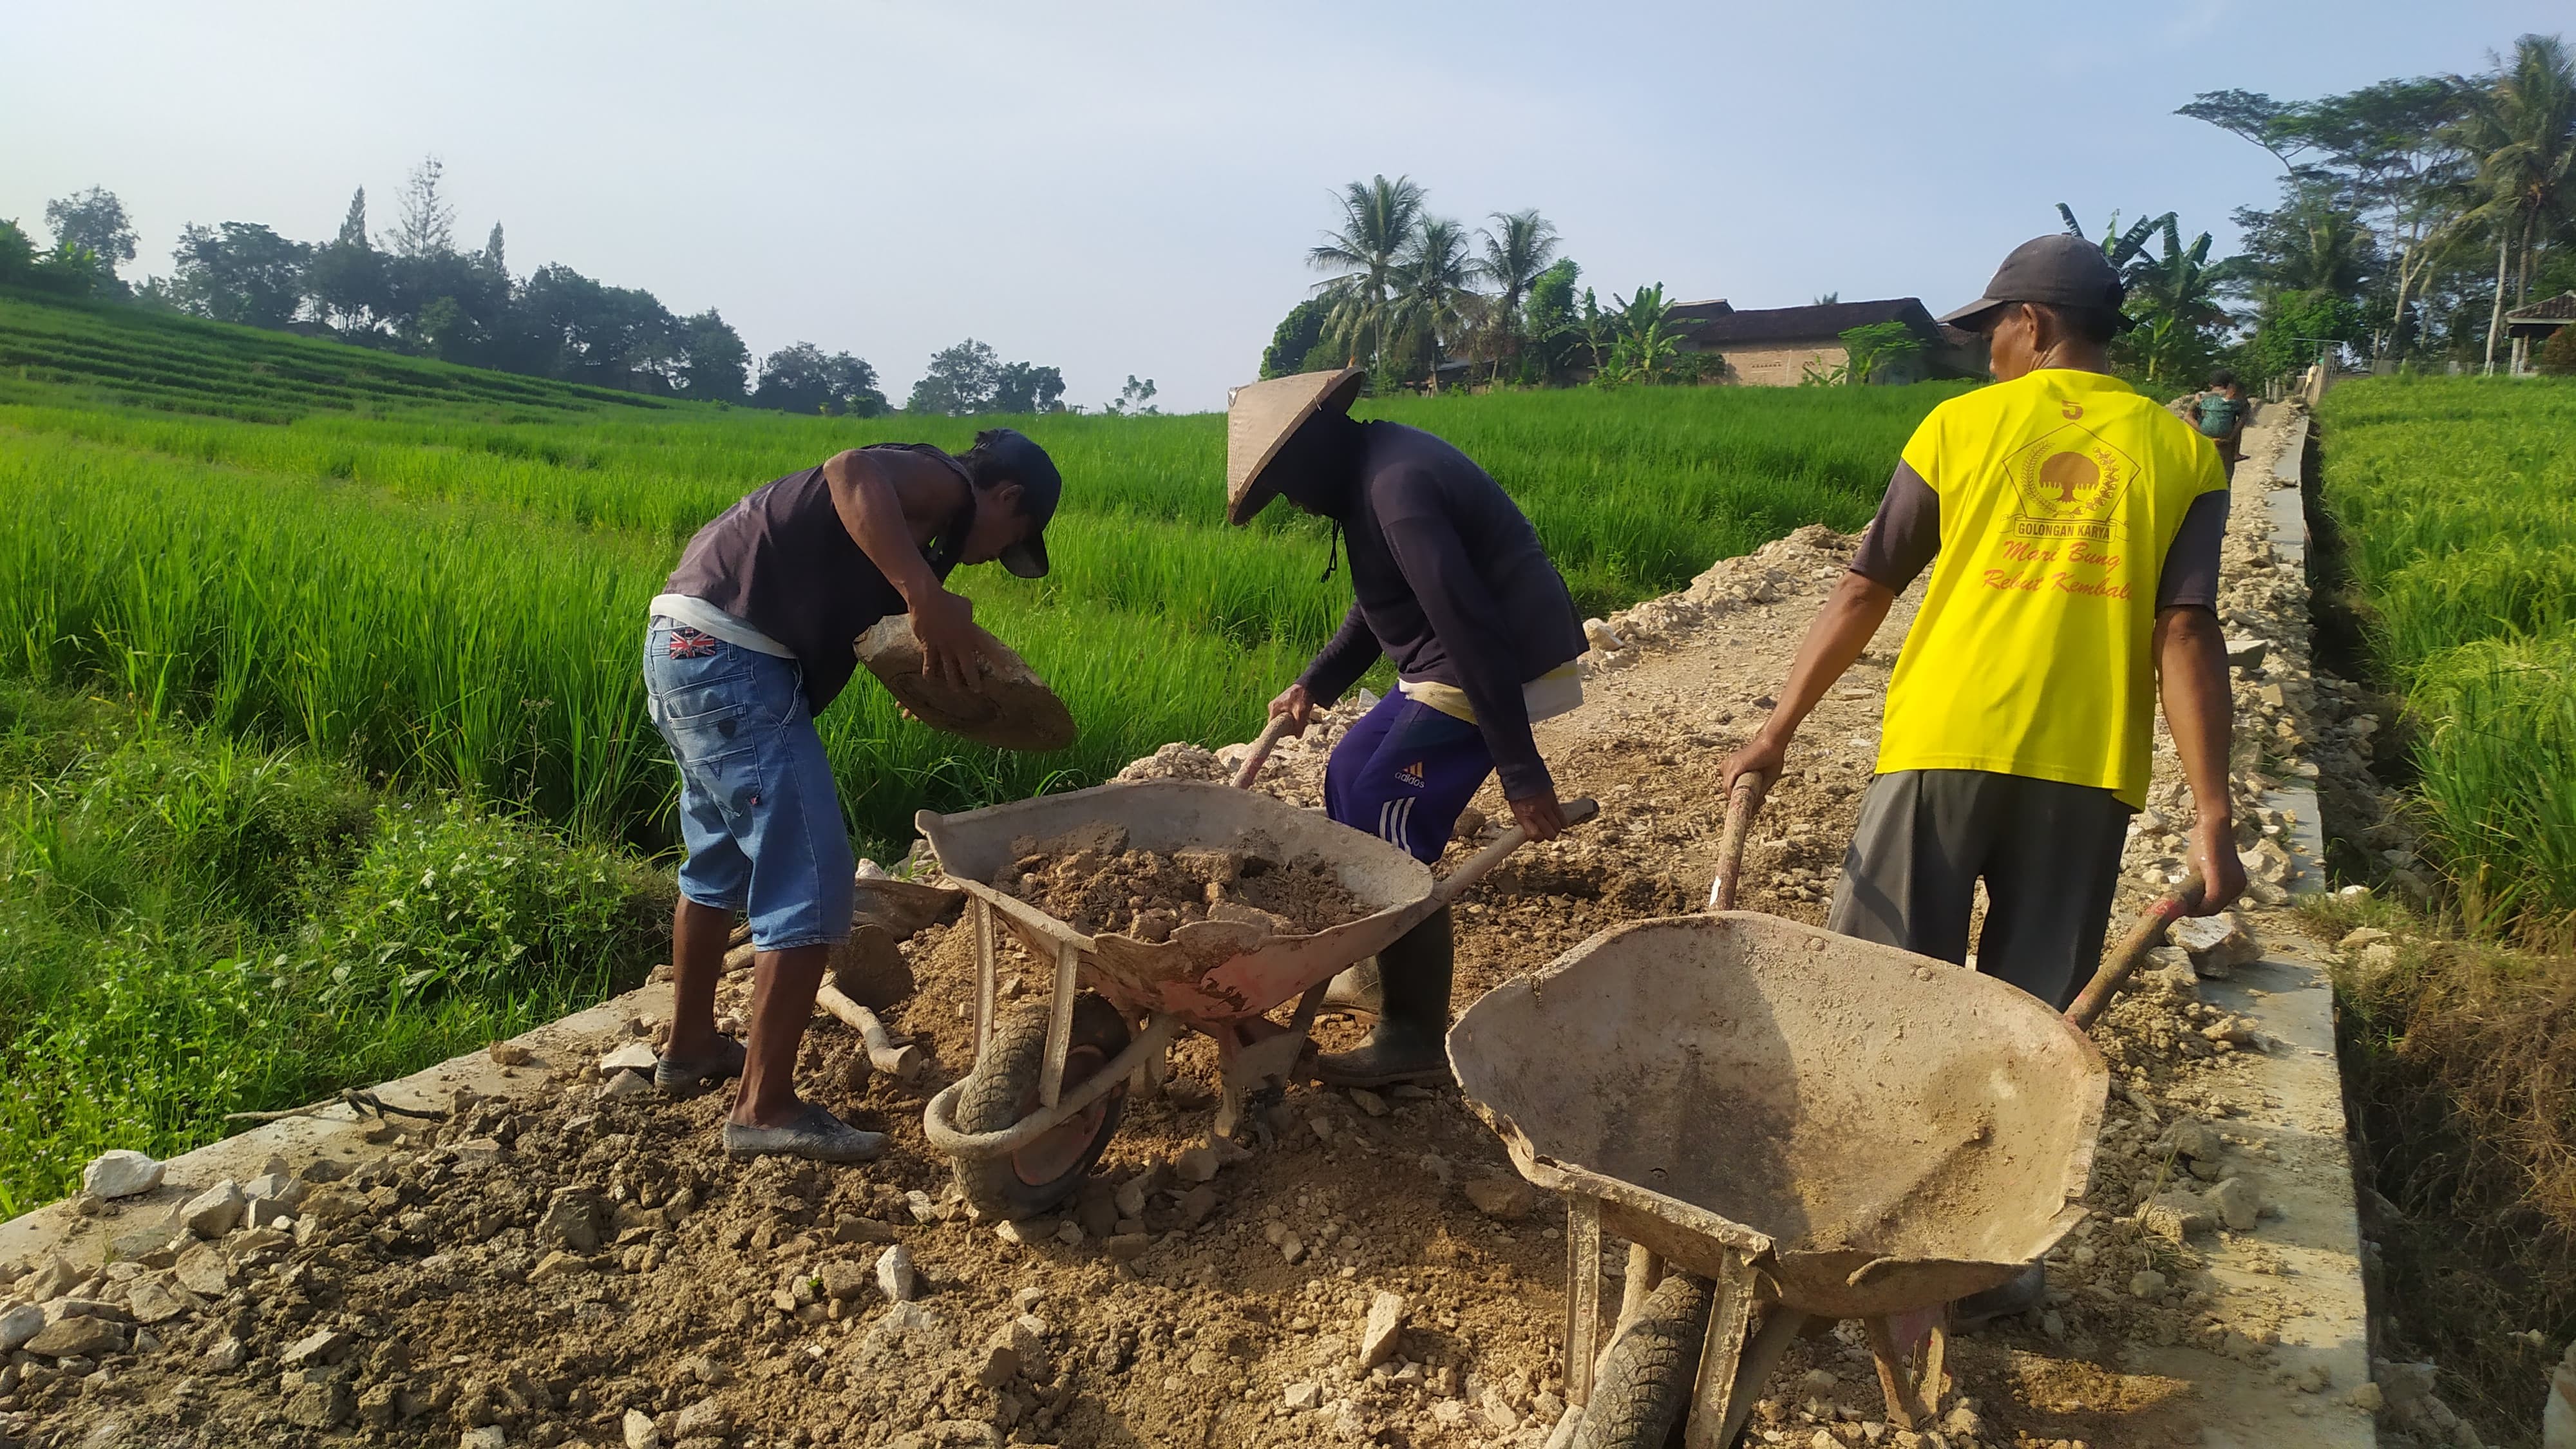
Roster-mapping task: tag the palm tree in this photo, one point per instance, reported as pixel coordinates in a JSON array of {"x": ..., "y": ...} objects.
[
  {"x": 1379, "y": 218},
  {"x": 1523, "y": 247},
  {"x": 2521, "y": 126},
  {"x": 1435, "y": 297}
]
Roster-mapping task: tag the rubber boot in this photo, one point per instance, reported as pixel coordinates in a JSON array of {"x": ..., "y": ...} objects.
[
  {"x": 1356, "y": 990},
  {"x": 1410, "y": 1041}
]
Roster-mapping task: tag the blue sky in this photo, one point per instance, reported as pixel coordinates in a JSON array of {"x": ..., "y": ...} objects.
[{"x": 1117, "y": 188}]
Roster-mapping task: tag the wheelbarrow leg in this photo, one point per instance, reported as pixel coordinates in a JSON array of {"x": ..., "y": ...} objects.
[
  {"x": 1911, "y": 1382},
  {"x": 1714, "y": 1417},
  {"x": 981, "y": 913},
  {"x": 1257, "y": 1056},
  {"x": 1582, "y": 1294},
  {"x": 1645, "y": 1270}
]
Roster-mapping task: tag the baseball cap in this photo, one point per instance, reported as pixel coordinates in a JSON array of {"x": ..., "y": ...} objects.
[
  {"x": 1009, "y": 455},
  {"x": 2057, "y": 270}
]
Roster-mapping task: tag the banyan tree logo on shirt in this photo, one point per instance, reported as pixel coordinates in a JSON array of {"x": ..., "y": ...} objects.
[{"x": 2068, "y": 483}]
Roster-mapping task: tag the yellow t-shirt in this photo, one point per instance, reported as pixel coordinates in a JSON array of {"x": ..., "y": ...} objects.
[{"x": 2032, "y": 654}]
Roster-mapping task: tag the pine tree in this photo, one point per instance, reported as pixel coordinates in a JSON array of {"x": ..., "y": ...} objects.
[
  {"x": 428, "y": 226},
  {"x": 353, "y": 227},
  {"x": 493, "y": 258}
]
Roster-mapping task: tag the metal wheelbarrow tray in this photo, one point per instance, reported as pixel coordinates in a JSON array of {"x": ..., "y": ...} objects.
[
  {"x": 1220, "y": 977},
  {"x": 1843, "y": 1128}
]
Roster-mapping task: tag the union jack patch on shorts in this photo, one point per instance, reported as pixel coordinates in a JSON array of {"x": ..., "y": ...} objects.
[{"x": 688, "y": 643}]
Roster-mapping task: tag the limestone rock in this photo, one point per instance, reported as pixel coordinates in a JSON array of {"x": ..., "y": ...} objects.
[
  {"x": 489, "y": 1436},
  {"x": 278, "y": 1187},
  {"x": 705, "y": 1419},
  {"x": 2239, "y": 1203},
  {"x": 2174, "y": 1216},
  {"x": 325, "y": 1405},
  {"x": 2218, "y": 944},
  {"x": 19, "y": 1323},
  {"x": 1378, "y": 1335},
  {"x": 1198, "y": 1164},
  {"x": 895, "y": 1276},
  {"x": 203, "y": 1270},
  {"x": 622, "y": 1085},
  {"x": 2146, "y": 1283},
  {"x": 1505, "y": 1198},
  {"x": 81, "y": 1337},
  {"x": 122, "y": 1173},
  {"x": 640, "y": 1431},
  {"x": 1127, "y": 1247},
  {"x": 2360, "y": 936},
  {"x": 634, "y": 1056},
  {"x": 152, "y": 1302},
  {"x": 216, "y": 1211},
  {"x": 1306, "y": 1395},
  {"x": 1130, "y": 1197},
  {"x": 572, "y": 1218}
]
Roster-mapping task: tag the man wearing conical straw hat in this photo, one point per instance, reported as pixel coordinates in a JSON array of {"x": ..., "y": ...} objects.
[{"x": 1450, "y": 583}]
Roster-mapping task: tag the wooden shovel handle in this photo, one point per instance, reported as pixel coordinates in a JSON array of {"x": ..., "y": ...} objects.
[
  {"x": 2145, "y": 936},
  {"x": 1280, "y": 725},
  {"x": 1742, "y": 804}
]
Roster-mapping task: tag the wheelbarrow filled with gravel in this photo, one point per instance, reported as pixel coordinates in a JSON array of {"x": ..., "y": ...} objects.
[
  {"x": 1291, "y": 899},
  {"x": 1800, "y": 1126}
]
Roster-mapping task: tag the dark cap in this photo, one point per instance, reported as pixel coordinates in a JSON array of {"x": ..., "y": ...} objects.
[
  {"x": 2057, "y": 270},
  {"x": 1005, "y": 455}
]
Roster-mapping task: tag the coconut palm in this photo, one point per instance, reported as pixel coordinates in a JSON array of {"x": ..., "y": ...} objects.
[
  {"x": 1379, "y": 218},
  {"x": 2521, "y": 126},
  {"x": 1516, "y": 251},
  {"x": 1435, "y": 299}
]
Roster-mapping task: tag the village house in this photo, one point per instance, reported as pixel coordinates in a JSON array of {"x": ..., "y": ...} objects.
[
  {"x": 1783, "y": 346},
  {"x": 2533, "y": 324}
]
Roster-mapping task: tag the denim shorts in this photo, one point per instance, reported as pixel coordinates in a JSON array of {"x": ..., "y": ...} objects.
[{"x": 758, "y": 808}]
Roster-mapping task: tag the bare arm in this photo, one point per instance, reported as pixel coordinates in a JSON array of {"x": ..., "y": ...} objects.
[
  {"x": 2191, "y": 669},
  {"x": 1841, "y": 630},
  {"x": 888, "y": 517}
]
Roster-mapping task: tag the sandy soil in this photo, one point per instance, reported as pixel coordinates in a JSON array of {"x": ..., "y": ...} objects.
[{"x": 578, "y": 1264}]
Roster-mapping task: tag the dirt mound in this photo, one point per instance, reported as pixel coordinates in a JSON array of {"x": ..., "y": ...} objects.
[{"x": 1099, "y": 886}]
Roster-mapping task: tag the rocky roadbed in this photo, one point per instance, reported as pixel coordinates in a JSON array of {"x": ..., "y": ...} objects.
[{"x": 569, "y": 1260}]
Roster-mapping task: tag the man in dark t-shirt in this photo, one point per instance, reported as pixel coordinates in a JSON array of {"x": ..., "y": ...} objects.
[
  {"x": 1449, "y": 582},
  {"x": 753, "y": 637}
]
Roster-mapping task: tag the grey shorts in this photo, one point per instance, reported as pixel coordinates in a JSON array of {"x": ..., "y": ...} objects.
[{"x": 2048, "y": 853}]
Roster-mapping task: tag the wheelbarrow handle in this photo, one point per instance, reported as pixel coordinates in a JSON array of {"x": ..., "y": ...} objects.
[
  {"x": 1742, "y": 804},
  {"x": 1473, "y": 868},
  {"x": 1280, "y": 725},
  {"x": 2149, "y": 933}
]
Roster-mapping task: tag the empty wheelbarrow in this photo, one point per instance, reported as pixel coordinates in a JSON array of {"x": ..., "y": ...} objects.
[
  {"x": 1043, "y": 1100},
  {"x": 1811, "y": 1124}
]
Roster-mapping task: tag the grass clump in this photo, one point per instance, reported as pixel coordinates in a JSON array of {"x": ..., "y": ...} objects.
[
  {"x": 2459, "y": 1065},
  {"x": 191, "y": 926}
]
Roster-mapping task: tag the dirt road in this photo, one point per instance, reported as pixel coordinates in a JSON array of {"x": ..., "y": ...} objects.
[{"x": 567, "y": 1260}]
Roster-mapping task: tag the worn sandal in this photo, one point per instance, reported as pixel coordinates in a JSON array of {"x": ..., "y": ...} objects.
[
  {"x": 815, "y": 1133},
  {"x": 686, "y": 1077}
]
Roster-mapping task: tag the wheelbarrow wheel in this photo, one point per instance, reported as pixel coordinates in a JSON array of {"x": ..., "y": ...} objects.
[
  {"x": 1004, "y": 1088},
  {"x": 1643, "y": 1391}
]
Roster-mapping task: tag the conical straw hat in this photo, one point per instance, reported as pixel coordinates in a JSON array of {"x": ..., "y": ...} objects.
[{"x": 1258, "y": 422}]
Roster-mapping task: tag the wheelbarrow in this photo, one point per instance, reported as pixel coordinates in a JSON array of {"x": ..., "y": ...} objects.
[
  {"x": 1025, "y": 1126},
  {"x": 1804, "y": 1124}
]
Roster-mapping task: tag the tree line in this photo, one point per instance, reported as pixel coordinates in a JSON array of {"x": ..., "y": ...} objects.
[
  {"x": 413, "y": 289},
  {"x": 1415, "y": 299},
  {"x": 2412, "y": 215}
]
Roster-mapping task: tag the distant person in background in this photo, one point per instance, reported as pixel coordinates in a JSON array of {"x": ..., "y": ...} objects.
[
  {"x": 751, "y": 638},
  {"x": 2072, "y": 528},
  {"x": 1449, "y": 582},
  {"x": 2220, "y": 414}
]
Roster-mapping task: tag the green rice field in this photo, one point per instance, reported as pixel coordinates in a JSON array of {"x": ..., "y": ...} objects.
[
  {"x": 2456, "y": 500},
  {"x": 447, "y": 588}
]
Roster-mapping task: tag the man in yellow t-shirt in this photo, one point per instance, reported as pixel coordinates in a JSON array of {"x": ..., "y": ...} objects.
[{"x": 2072, "y": 528}]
